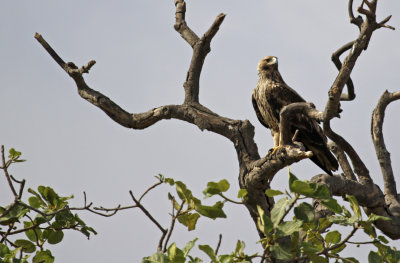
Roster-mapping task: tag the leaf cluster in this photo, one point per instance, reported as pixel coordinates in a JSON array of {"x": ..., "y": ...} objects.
[
  {"x": 42, "y": 220},
  {"x": 305, "y": 236}
]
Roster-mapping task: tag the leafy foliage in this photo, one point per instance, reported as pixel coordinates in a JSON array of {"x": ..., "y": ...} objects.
[
  {"x": 300, "y": 237},
  {"x": 26, "y": 227}
]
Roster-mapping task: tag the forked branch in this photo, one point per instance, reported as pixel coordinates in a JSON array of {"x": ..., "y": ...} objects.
[
  {"x": 201, "y": 47},
  {"x": 367, "y": 27}
]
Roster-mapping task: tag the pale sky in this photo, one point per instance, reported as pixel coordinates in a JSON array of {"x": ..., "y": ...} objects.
[{"x": 142, "y": 62}]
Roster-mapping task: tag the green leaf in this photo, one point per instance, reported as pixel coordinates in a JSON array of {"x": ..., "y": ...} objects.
[
  {"x": 242, "y": 193},
  {"x": 373, "y": 257},
  {"x": 50, "y": 196},
  {"x": 340, "y": 220},
  {"x": 175, "y": 254},
  {"x": 289, "y": 227},
  {"x": 279, "y": 210},
  {"x": 322, "y": 192},
  {"x": 225, "y": 258},
  {"x": 317, "y": 259},
  {"x": 169, "y": 181},
  {"x": 240, "y": 245},
  {"x": 368, "y": 228},
  {"x": 333, "y": 237},
  {"x": 53, "y": 236},
  {"x": 32, "y": 234},
  {"x": 271, "y": 192},
  {"x": 305, "y": 212},
  {"x": 3, "y": 250},
  {"x": 195, "y": 260},
  {"x": 156, "y": 258},
  {"x": 27, "y": 246},
  {"x": 14, "y": 214},
  {"x": 14, "y": 154},
  {"x": 373, "y": 218},
  {"x": 188, "y": 247},
  {"x": 279, "y": 251},
  {"x": 292, "y": 179},
  {"x": 383, "y": 239},
  {"x": 265, "y": 223},
  {"x": 332, "y": 204},
  {"x": 303, "y": 188},
  {"x": 354, "y": 206},
  {"x": 182, "y": 191},
  {"x": 308, "y": 189},
  {"x": 307, "y": 247},
  {"x": 189, "y": 220},
  {"x": 214, "y": 188},
  {"x": 339, "y": 249},
  {"x": 212, "y": 212},
  {"x": 323, "y": 223},
  {"x": 209, "y": 251},
  {"x": 174, "y": 202},
  {"x": 352, "y": 260},
  {"x": 34, "y": 202}
]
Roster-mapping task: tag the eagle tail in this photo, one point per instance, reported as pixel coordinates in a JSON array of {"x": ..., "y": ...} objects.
[{"x": 324, "y": 159}]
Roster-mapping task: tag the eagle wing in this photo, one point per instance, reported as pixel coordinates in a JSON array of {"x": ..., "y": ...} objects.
[
  {"x": 310, "y": 133},
  {"x": 258, "y": 113}
]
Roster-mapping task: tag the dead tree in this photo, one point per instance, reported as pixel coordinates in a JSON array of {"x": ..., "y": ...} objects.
[{"x": 255, "y": 172}]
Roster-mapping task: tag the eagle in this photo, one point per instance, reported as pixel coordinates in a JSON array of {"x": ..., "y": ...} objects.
[{"x": 270, "y": 96}]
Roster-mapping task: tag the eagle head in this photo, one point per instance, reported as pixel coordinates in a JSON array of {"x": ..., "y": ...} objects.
[{"x": 267, "y": 64}]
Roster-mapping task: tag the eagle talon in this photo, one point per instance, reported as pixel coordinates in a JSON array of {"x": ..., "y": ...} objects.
[{"x": 276, "y": 149}]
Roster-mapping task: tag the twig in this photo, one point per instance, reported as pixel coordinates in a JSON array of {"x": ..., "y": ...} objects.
[
  {"x": 230, "y": 200},
  {"x": 173, "y": 220},
  {"x": 164, "y": 231},
  {"x": 149, "y": 189},
  {"x": 50, "y": 50},
  {"x": 362, "y": 243},
  {"x": 6, "y": 172},
  {"x": 219, "y": 244}
]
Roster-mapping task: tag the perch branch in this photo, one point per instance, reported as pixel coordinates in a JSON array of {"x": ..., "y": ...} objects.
[{"x": 382, "y": 153}]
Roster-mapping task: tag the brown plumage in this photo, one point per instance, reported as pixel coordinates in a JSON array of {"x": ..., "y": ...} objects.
[{"x": 270, "y": 96}]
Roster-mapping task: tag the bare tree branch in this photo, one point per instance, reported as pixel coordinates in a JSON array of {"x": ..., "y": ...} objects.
[
  {"x": 336, "y": 60},
  {"x": 370, "y": 197},
  {"x": 382, "y": 153},
  {"x": 357, "y": 21},
  {"x": 335, "y": 93},
  {"x": 342, "y": 159},
  {"x": 201, "y": 47},
  {"x": 147, "y": 213}
]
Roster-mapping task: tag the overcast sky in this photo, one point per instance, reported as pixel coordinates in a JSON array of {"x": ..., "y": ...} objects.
[{"x": 141, "y": 64}]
